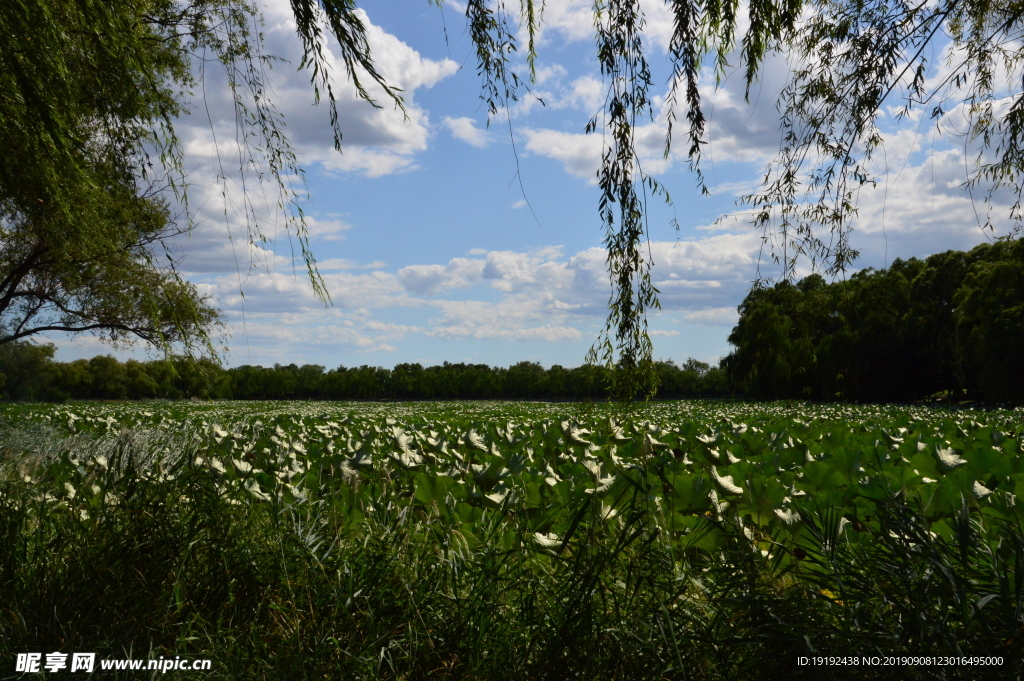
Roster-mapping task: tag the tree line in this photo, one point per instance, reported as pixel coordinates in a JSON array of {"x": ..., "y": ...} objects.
[
  {"x": 951, "y": 325},
  {"x": 29, "y": 372}
]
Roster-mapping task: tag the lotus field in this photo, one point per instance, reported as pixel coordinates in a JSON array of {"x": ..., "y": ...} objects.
[{"x": 705, "y": 540}]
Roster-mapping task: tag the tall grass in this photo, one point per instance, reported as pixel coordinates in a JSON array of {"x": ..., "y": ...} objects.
[{"x": 155, "y": 556}]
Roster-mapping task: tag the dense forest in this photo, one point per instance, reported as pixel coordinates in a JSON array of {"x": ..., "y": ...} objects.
[
  {"x": 28, "y": 372},
  {"x": 951, "y": 325}
]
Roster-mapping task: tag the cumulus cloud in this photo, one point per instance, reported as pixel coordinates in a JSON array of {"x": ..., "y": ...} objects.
[
  {"x": 573, "y": 21},
  {"x": 266, "y": 342},
  {"x": 376, "y": 140},
  {"x": 580, "y": 154},
  {"x": 570, "y": 20},
  {"x": 430, "y": 279},
  {"x": 715, "y": 316},
  {"x": 587, "y": 92},
  {"x": 231, "y": 210},
  {"x": 537, "y": 295},
  {"x": 515, "y": 318},
  {"x": 465, "y": 130}
]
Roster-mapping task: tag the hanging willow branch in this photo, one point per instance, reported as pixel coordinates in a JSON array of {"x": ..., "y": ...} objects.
[
  {"x": 625, "y": 343},
  {"x": 851, "y": 61}
]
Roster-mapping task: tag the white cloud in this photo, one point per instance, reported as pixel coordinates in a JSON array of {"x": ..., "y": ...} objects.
[
  {"x": 465, "y": 129},
  {"x": 230, "y": 209},
  {"x": 376, "y": 141},
  {"x": 550, "y": 72},
  {"x": 587, "y": 92},
  {"x": 515, "y": 318},
  {"x": 715, "y": 316},
  {"x": 431, "y": 279},
  {"x": 572, "y": 20},
  {"x": 580, "y": 154},
  {"x": 326, "y": 229},
  {"x": 538, "y": 295},
  {"x": 267, "y": 342}
]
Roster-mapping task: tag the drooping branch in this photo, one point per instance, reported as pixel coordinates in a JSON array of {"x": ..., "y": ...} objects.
[{"x": 625, "y": 343}]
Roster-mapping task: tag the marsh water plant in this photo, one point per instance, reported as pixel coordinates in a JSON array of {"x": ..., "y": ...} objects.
[{"x": 497, "y": 540}]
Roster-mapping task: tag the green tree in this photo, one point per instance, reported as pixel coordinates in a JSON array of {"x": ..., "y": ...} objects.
[
  {"x": 109, "y": 378},
  {"x": 990, "y": 323},
  {"x": 140, "y": 384},
  {"x": 776, "y": 338},
  {"x": 71, "y": 380},
  {"x": 26, "y": 369},
  {"x": 87, "y": 91}
]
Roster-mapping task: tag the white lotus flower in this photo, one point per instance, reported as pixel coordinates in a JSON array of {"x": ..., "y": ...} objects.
[
  {"x": 787, "y": 516},
  {"x": 547, "y": 541},
  {"x": 980, "y": 491},
  {"x": 578, "y": 435},
  {"x": 408, "y": 458},
  {"x": 498, "y": 497},
  {"x": 949, "y": 458},
  {"x": 254, "y": 489},
  {"x": 603, "y": 485},
  {"x": 725, "y": 482},
  {"x": 476, "y": 441}
]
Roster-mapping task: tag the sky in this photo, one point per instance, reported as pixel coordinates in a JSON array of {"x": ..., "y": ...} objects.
[{"x": 443, "y": 236}]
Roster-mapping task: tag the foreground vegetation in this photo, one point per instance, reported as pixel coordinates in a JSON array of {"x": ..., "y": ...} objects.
[{"x": 496, "y": 540}]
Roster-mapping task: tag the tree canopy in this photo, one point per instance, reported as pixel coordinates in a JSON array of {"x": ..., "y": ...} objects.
[
  {"x": 91, "y": 89},
  {"x": 949, "y": 325},
  {"x": 86, "y": 95}
]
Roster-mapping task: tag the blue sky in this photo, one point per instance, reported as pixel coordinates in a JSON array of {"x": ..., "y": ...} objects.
[{"x": 423, "y": 233}]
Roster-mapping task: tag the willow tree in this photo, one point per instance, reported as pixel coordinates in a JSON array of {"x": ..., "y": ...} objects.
[
  {"x": 87, "y": 102},
  {"x": 848, "y": 59}
]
